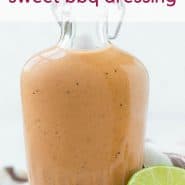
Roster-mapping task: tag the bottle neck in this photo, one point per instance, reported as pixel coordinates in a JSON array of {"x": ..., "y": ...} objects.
[{"x": 83, "y": 35}]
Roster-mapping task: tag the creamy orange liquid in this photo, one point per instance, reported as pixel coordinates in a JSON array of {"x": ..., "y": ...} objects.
[{"x": 84, "y": 116}]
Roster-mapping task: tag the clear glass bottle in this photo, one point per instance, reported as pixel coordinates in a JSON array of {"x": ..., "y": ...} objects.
[{"x": 84, "y": 106}]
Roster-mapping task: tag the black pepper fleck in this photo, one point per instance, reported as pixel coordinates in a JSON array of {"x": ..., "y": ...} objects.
[
  {"x": 117, "y": 154},
  {"x": 36, "y": 91},
  {"x": 67, "y": 92}
]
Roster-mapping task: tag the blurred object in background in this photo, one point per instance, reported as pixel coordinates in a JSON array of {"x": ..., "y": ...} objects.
[{"x": 12, "y": 176}]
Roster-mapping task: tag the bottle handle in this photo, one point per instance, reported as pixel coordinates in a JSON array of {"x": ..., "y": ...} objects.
[
  {"x": 60, "y": 20},
  {"x": 56, "y": 11},
  {"x": 121, "y": 9}
]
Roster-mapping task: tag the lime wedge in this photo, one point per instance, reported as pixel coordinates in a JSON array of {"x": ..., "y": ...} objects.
[{"x": 159, "y": 175}]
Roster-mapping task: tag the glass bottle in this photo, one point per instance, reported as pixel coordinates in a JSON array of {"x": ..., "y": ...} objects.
[{"x": 84, "y": 106}]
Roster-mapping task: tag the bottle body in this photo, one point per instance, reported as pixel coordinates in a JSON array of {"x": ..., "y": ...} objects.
[{"x": 84, "y": 115}]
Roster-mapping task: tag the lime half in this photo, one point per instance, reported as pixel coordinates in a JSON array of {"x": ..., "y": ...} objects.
[{"x": 159, "y": 175}]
